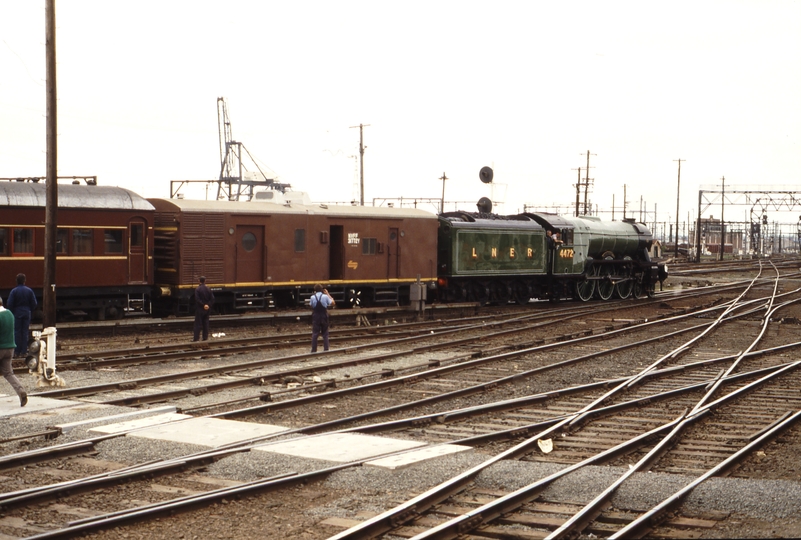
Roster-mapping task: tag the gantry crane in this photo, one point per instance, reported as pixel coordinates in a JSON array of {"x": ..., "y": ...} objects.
[{"x": 232, "y": 183}]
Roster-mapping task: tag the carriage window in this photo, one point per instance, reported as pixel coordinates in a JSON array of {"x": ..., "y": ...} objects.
[
  {"x": 368, "y": 246},
  {"x": 62, "y": 241},
  {"x": 137, "y": 235},
  {"x": 23, "y": 242},
  {"x": 249, "y": 241},
  {"x": 81, "y": 241},
  {"x": 300, "y": 240},
  {"x": 3, "y": 242},
  {"x": 113, "y": 240}
]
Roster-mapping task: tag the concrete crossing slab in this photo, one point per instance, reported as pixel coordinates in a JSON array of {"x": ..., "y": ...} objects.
[
  {"x": 154, "y": 420},
  {"x": 117, "y": 418},
  {"x": 211, "y": 432},
  {"x": 405, "y": 459},
  {"x": 340, "y": 447},
  {"x": 9, "y": 405}
]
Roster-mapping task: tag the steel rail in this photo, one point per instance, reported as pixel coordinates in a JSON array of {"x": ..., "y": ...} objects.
[
  {"x": 231, "y": 368},
  {"x": 458, "y": 524},
  {"x": 635, "y": 528},
  {"x": 415, "y": 506},
  {"x": 265, "y": 379},
  {"x": 563, "y": 343},
  {"x": 581, "y": 519},
  {"x": 765, "y": 322},
  {"x": 481, "y": 387},
  {"x": 489, "y": 511},
  {"x": 148, "y": 470},
  {"x": 161, "y": 353}
]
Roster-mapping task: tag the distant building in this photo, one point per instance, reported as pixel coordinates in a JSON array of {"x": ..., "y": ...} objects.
[{"x": 734, "y": 241}]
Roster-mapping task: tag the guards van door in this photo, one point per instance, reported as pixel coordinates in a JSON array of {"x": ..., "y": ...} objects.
[{"x": 137, "y": 252}]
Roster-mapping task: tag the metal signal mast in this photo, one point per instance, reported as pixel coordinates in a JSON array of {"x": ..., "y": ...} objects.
[{"x": 233, "y": 183}]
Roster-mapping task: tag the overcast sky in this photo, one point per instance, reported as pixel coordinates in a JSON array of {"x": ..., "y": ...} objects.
[{"x": 525, "y": 87}]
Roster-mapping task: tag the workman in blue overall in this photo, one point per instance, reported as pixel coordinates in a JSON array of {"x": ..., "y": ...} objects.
[
  {"x": 21, "y": 302},
  {"x": 320, "y": 302}
]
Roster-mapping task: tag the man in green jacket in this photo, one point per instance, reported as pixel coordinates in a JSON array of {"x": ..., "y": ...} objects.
[{"x": 7, "y": 346}]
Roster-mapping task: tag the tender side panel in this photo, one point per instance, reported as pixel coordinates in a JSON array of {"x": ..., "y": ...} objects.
[{"x": 493, "y": 252}]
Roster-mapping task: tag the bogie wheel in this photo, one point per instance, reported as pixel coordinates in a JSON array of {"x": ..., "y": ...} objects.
[
  {"x": 477, "y": 292},
  {"x": 585, "y": 289},
  {"x": 454, "y": 294},
  {"x": 498, "y": 293},
  {"x": 521, "y": 293}
]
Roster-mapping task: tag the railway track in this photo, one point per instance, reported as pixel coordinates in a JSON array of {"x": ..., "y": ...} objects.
[{"x": 485, "y": 408}]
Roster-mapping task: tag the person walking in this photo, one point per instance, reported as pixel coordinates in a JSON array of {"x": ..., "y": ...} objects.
[
  {"x": 320, "y": 302},
  {"x": 204, "y": 299},
  {"x": 21, "y": 302},
  {"x": 7, "y": 346}
]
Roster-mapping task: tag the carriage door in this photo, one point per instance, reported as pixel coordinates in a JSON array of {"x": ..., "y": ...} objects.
[
  {"x": 392, "y": 254},
  {"x": 137, "y": 254},
  {"x": 249, "y": 254},
  {"x": 336, "y": 259}
]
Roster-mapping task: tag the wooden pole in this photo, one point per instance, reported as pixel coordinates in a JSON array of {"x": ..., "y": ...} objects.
[{"x": 51, "y": 182}]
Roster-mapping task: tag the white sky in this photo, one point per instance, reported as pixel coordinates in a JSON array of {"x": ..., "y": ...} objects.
[{"x": 526, "y": 87}]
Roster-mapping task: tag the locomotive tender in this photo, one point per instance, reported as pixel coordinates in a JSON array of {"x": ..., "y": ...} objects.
[
  {"x": 118, "y": 253},
  {"x": 489, "y": 258}
]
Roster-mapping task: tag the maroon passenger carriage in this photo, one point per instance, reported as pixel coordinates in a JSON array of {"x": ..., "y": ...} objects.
[
  {"x": 258, "y": 254},
  {"x": 104, "y": 245}
]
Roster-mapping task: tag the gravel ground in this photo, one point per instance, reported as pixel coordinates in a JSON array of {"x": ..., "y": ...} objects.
[{"x": 758, "y": 508}]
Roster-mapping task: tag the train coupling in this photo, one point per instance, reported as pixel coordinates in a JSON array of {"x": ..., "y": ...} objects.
[{"x": 41, "y": 358}]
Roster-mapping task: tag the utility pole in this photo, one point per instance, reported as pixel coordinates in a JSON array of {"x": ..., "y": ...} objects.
[
  {"x": 624, "y": 201},
  {"x": 678, "y": 186},
  {"x": 641, "y": 221},
  {"x": 442, "y": 204},
  {"x": 361, "y": 161},
  {"x": 587, "y": 183},
  {"x": 722, "y": 226},
  {"x": 51, "y": 180},
  {"x": 578, "y": 189}
]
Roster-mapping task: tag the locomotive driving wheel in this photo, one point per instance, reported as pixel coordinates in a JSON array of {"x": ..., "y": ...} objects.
[
  {"x": 605, "y": 286},
  {"x": 624, "y": 288},
  {"x": 585, "y": 289}
]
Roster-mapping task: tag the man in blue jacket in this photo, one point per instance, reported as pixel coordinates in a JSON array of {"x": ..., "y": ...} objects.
[{"x": 21, "y": 302}]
